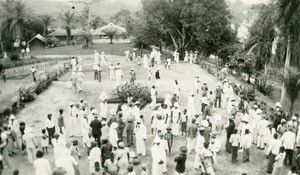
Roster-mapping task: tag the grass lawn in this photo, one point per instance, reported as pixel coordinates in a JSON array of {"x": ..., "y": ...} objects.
[
  {"x": 116, "y": 49},
  {"x": 60, "y": 94}
]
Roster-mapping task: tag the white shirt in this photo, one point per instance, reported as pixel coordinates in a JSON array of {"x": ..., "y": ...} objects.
[
  {"x": 153, "y": 92},
  {"x": 140, "y": 132},
  {"x": 288, "y": 140},
  {"x": 49, "y": 123},
  {"x": 95, "y": 155},
  {"x": 246, "y": 141},
  {"x": 42, "y": 167},
  {"x": 274, "y": 146}
]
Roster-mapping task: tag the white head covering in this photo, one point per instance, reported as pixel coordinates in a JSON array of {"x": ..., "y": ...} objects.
[
  {"x": 204, "y": 123},
  {"x": 278, "y": 104},
  {"x": 114, "y": 125},
  {"x": 176, "y": 104},
  {"x": 12, "y": 117},
  {"x": 112, "y": 112},
  {"x": 103, "y": 96},
  {"x": 156, "y": 140},
  {"x": 218, "y": 117},
  {"x": 168, "y": 96}
]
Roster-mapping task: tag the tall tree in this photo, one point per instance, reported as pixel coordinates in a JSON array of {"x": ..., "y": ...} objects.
[
  {"x": 15, "y": 14},
  {"x": 68, "y": 21},
  {"x": 123, "y": 18},
  {"x": 289, "y": 23},
  {"x": 46, "y": 20}
]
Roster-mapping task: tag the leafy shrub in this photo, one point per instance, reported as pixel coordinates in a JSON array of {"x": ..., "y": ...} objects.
[
  {"x": 247, "y": 92},
  {"x": 14, "y": 57},
  {"x": 26, "y": 95},
  {"x": 263, "y": 87},
  {"x": 292, "y": 85},
  {"x": 138, "y": 91}
]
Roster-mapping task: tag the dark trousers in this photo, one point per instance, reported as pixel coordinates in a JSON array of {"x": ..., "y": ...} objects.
[
  {"x": 97, "y": 137},
  {"x": 218, "y": 100},
  {"x": 203, "y": 107},
  {"x": 288, "y": 156},
  {"x": 33, "y": 77},
  {"x": 51, "y": 132},
  {"x": 4, "y": 78},
  {"x": 129, "y": 137},
  {"x": 234, "y": 151},
  {"x": 228, "y": 146},
  {"x": 95, "y": 75},
  {"x": 271, "y": 162},
  {"x": 99, "y": 76}
]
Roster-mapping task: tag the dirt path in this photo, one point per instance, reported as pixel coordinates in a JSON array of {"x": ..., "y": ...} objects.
[{"x": 60, "y": 94}]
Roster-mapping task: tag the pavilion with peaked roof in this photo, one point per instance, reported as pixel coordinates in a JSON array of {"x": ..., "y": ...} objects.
[{"x": 99, "y": 34}]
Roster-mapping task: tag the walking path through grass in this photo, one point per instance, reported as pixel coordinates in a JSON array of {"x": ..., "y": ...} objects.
[{"x": 60, "y": 94}]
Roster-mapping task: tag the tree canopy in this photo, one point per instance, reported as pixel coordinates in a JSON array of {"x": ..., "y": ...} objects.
[{"x": 185, "y": 25}]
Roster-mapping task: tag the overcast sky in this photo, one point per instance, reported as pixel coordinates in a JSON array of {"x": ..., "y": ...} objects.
[{"x": 251, "y": 1}]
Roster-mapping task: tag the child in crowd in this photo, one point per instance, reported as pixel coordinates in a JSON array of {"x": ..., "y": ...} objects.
[
  {"x": 169, "y": 138},
  {"x": 184, "y": 120},
  {"x": 44, "y": 141},
  {"x": 97, "y": 170},
  {"x": 88, "y": 142}
]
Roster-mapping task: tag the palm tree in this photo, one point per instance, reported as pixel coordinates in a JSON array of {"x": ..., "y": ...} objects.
[
  {"x": 46, "y": 21},
  {"x": 289, "y": 23},
  {"x": 68, "y": 20},
  {"x": 16, "y": 14},
  {"x": 292, "y": 83}
]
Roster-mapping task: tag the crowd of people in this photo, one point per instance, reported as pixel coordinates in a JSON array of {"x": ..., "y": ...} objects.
[{"x": 114, "y": 140}]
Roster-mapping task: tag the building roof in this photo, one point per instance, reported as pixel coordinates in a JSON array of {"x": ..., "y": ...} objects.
[
  {"x": 109, "y": 27},
  {"x": 39, "y": 37},
  {"x": 63, "y": 32}
]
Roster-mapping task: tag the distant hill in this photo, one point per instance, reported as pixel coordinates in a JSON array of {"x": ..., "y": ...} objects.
[{"x": 239, "y": 11}]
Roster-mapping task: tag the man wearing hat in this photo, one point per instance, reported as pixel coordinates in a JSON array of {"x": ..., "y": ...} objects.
[
  {"x": 281, "y": 128},
  {"x": 103, "y": 104},
  {"x": 214, "y": 146},
  {"x": 132, "y": 76},
  {"x": 106, "y": 149},
  {"x": 136, "y": 110},
  {"x": 199, "y": 146},
  {"x": 218, "y": 98},
  {"x": 157, "y": 160},
  {"x": 269, "y": 133},
  {"x": 180, "y": 161},
  {"x": 278, "y": 114},
  {"x": 255, "y": 117},
  {"x": 246, "y": 142},
  {"x": 61, "y": 121},
  {"x": 261, "y": 128},
  {"x": 288, "y": 141},
  {"x": 140, "y": 131},
  {"x": 96, "y": 129},
  {"x": 75, "y": 150},
  {"x": 175, "y": 118},
  {"x": 104, "y": 130},
  {"x": 13, "y": 126},
  {"x": 30, "y": 143},
  {"x": 119, "y": 74},
  {"x": 80, "y": 77}
]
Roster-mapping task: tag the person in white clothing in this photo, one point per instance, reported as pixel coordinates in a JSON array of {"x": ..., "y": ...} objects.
[
  {"x": 96, "y": 57},
  {"x": 95, "y": 155},
  {"x": 157, "y": 160},
  {"x": 145, "y": 61},
  {"x": 269, "y": 132},
  {"x": 186, "y": 57},
  {"x": 261, "y": 132},
  {"x": 273, "y": 151},
  {"x": 30, "y": 143},
  {"x": 288, "y": 141},
  {"x": 164, "y": 145},
  {"x": 191, "y": 105},
  {"x": 199, "y": 147},
  {"x": 80, "y": 77},
  {"x": 246, "y": 142},
  {"x": 119, "y": 74},
  {"x": 153, "y": 96},
  {"x": 111, "y": 69},
  {"x": 103, "y": 104},
  {"x": 67, "y": 162},
  {"x": 41, "y": 165},
  {"x": 113, "y": 135},
  {"x": 175, "y": 118},
  {"x": 140, "y": 131},
  {"x": 103, "y": 59},
  {"x": 74, "y": 63},
  {"x": 176, "y": 56}
]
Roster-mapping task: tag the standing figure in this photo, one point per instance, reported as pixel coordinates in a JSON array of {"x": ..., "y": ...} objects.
[
  {"x": 80, "y": 63},
  {"x": 288, "y": 141},
  {"x": 153, "y": 97},
  {"x": 96, "y": 129},
  {"x": 149, "y": 73},
  {"x": 273, "y": 151},
  {"x": 94, "y": 156},
  {"x": 30, "y": 143},
  {"x": 176, "y": 56},
  {"x": 218, "y": 98},
  {"x": 156, "y": 154},
  {"x": 33, "y": 71},
  {"x": 74, "y": 63},
  {"x": 119, "y": 74},
  {"x": 180, "y": 161},
  {"x": 103, "y": 104},
  {"x": 111, "y": 69},
  {"x": 127, "y": 53},
  {"x": 74, "y": 81},
  {"x": 235, "y": 141},
  {"x": 157, "y": 78},
  {"x": 41, "y": 165},
  {"x": 192, "y": 134},
  {"x": 175, "y": 118},
  {"x": 186, "y": 57},
  {"x": 50, "y": 126},
  {"x": 169, "y": 139},
  {"x": 141, "y": 135},
  {"x": 192, "y": 57},
  {"x": 96, "y": 71},
  {"x": 191, "y": 106},
  {"x": 132, "y": 76},
  {"x": 80, "y": 77},
  {"x": 145, "y": 61},
  {"x": 96, "y": 57},
  {"x": 103, "y": 59},
  {"x": 279, "y": 160},
  {"x": 246, "y": 143},
  {"x": 113, "y": 135},
  {"x": 158, "y": 57}
]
